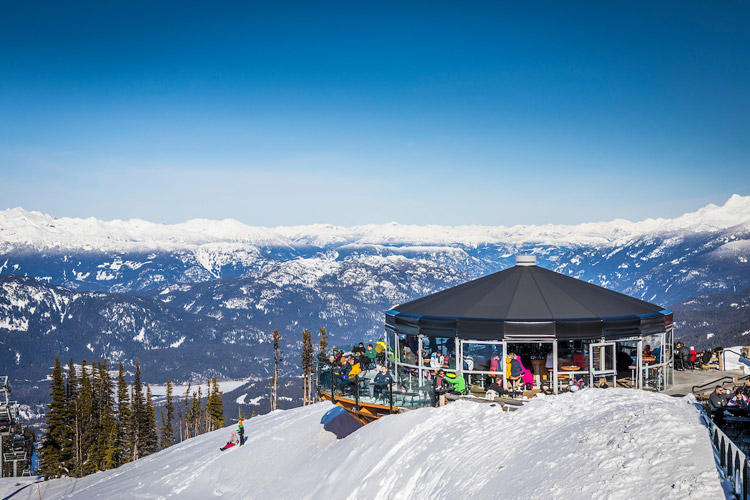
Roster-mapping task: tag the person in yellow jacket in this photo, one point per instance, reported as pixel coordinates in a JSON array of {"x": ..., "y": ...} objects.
[{"x": 380, "y": 351}]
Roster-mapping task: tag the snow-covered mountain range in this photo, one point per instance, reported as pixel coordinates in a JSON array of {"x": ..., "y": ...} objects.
[{"x": 163, "y": 292}]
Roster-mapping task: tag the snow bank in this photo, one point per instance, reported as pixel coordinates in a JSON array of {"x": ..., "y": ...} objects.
[{"x": 599, "y": 444}]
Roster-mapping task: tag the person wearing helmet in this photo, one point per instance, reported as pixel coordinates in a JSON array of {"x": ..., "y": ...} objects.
[
  {"x": 241, "y": 431},
  {"x": 458, "y": 382}
]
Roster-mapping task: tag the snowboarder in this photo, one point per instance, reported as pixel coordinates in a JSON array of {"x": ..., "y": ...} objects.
[
  {"x": 241, "y": 430},
  {"x": 232, "y": 442}
]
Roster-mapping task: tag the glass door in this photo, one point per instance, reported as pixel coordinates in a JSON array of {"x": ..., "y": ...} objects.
[{"x": 603, "y": 364}]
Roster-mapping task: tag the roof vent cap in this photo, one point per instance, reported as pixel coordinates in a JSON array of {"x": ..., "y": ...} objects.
[{"x": 525, "y": 260}]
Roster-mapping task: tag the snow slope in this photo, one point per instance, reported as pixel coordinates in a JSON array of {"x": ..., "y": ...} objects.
[{"x": 598, "y": 444}]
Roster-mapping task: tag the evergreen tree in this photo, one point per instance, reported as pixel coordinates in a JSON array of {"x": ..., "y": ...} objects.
[
  {"x": 107, "y": 442},
  {"x": 195, "y": 412},
  {"x": 122, "y": 445},
  {"x": 73, "y": 465},
  {"x": 56, "y": 441},
  {"x": 138, "y": 416},
  {"x": 323, "y": 342},
  {"x": 151, "y": 436},
  {"x": 167, "y": 433},
  {"x": 308, "y": 360},
  {"x": 185, "y": 419},
  {"x": 87, "y": 426},
  {"x": 277, "y": 359},
  {"x": 215, "y": 407}
]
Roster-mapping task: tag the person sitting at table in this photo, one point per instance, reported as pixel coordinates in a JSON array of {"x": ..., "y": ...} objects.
[
  {"x": 371, "y": 355},
  {"x": 498, "y": 388},
  {"x": 381, "y": 382},
  {"x": 359, "y": 349},
  {"x": 457, "y": 382},
  {"x": 407, "y": 356},
  {"x": 745, "y": 388},
  {"x": 342, "y": 368},
  {"x": 623, "y": 359},
  {"x": 439, "y": 387},
  {"x": 647, "y": 351},
  {"x": 738, "y": 399},
  {"x": 717, "y": 399},
  {"x": 436, "y": 360},
  {"x": 380, "y": 351},
  {"x": 579, "y": 360}
]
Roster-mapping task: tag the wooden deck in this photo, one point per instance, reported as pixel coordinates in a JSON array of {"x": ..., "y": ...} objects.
[{"x": 363, "y": 412}]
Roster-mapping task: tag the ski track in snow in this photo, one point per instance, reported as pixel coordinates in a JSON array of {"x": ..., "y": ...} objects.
[{"x": 595, "y": 444}]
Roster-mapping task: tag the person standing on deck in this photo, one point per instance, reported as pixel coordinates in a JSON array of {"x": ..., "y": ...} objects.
[{"x": 439, "y": 387}]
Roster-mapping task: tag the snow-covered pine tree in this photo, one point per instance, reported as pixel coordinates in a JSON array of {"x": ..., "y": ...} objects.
[
  {"x": 277, "y": 359},
  {"x": 167, "y": 433},
  {"x": 55, "y": 443}
]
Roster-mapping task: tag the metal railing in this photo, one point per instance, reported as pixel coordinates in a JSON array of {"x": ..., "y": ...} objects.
[
  {"x": 713, "y": 383},
  {"x": 732, "y": 459}
]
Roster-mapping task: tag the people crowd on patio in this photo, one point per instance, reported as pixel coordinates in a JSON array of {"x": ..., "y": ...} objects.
[{"x": 368, "y": 369}]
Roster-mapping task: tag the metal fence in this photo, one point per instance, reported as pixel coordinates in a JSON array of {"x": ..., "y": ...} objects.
[{"x": 732, "y": 459}]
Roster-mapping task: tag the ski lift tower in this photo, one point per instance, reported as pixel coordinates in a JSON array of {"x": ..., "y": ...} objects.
[{"x": 8, "y": 415}]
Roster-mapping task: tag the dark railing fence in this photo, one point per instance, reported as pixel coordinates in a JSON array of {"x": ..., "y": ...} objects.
[
  {"x": 360, "y": 389},
  {"x": 731, "y": 458}
]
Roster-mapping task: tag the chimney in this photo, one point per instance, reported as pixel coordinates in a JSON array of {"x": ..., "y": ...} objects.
[{"x": 525, "y": 260}]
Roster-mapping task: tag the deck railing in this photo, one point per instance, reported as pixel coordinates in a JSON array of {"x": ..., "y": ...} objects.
[{"x": 732, "y": 459}]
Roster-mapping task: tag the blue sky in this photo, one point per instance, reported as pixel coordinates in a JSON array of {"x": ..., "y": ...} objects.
[{"x": 278, "y": 113}]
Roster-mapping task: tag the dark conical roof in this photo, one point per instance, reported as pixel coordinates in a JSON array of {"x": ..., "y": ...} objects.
[{"x": 527, "y": 301}]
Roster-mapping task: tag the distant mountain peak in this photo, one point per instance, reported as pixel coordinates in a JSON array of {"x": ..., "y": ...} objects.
[{"x": 22, "y": 228}]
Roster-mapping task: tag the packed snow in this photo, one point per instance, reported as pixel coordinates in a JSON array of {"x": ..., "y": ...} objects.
[
  {"x": 598, "y": 444},
  {"x": 24, "y": 228}
]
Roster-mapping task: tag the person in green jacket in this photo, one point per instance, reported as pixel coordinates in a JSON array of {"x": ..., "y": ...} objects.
[
  {"x": 371, "y": 354},
  {"x": 459, "y": 384}
]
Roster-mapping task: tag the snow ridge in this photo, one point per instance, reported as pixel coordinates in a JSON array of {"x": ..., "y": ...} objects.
[{"x": 20, "y": 228}]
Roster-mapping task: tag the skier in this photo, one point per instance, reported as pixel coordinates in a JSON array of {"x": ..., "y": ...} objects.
[
  {"x": 232, "y": 442},
  {"x": 241, "y": 430}
]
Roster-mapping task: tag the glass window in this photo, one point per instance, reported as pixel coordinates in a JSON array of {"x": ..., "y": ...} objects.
[
  {"x": 439, "y": 352},
  {"x": 478, "y": 356}
]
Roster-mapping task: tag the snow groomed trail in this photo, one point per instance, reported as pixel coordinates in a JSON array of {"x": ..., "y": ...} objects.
[{"x": 597, "y": 444}]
